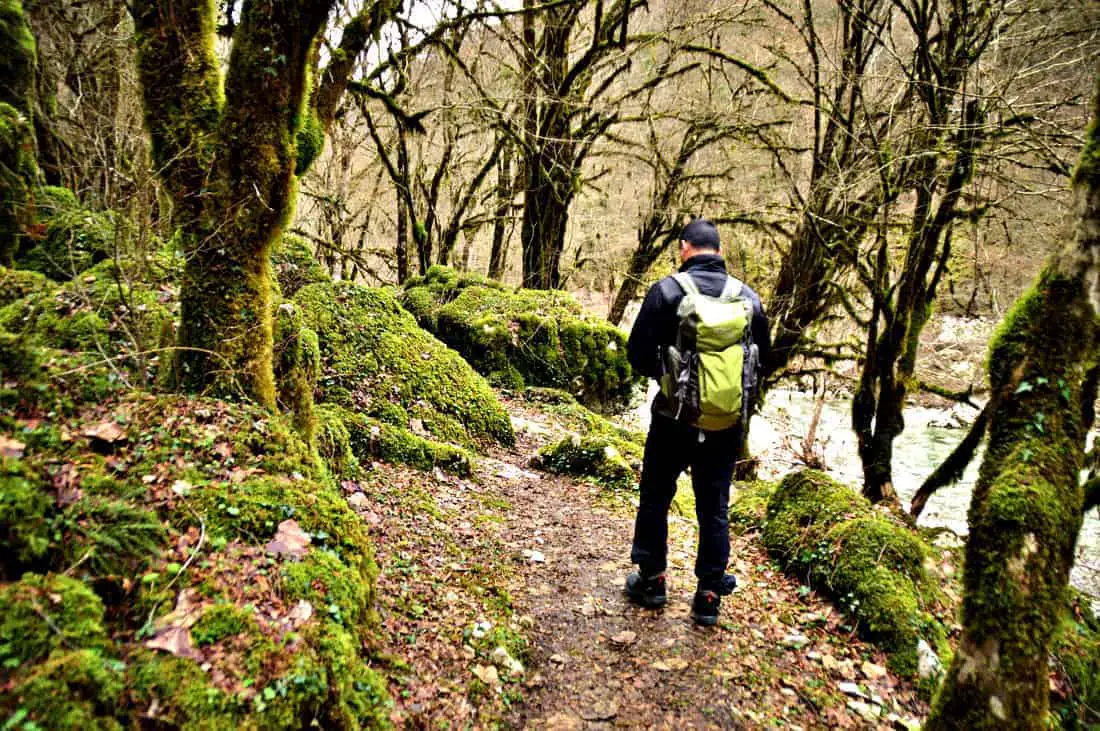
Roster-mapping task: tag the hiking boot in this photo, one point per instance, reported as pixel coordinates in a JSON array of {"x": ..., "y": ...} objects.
[
  {"x": 704, "y": 608},
  {"x": 728, "y": 585},
  {"x": 646, "y": 591}
]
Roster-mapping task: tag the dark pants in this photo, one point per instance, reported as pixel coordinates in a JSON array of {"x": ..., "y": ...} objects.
[{"x": 671, "y": 448}]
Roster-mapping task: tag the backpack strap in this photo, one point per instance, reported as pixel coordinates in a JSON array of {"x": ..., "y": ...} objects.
[
  {"x": 687, "y": 284},
  {"x": 732, "y": 289}
]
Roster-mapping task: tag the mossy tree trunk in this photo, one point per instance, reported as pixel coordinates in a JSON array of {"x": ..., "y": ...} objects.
[
  {"x": 18, "y": 169},
  {"x": 228, "y": 153},
  {"x": 1026, "y": 510},
  {"x": 505, "y": 192}
]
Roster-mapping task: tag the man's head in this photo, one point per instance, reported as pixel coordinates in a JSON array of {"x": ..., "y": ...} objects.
[{"x": 698, "y": 237}]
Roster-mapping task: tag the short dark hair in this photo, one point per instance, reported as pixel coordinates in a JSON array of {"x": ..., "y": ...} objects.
[{"x": 701, "y": 234}]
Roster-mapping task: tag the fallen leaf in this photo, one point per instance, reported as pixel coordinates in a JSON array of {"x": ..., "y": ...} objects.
[
  {"x": 624, "y": 638},
  {"x": 106, "y": 431},
  {"x": 486, "y": 674},
  {"x": 602, "y": 710},
  {"x": 289, "y": 539},
  {"x": 301, "y": 612},
  {"x": 175, "y": 640},
  {"x": 11, "y": 447}
]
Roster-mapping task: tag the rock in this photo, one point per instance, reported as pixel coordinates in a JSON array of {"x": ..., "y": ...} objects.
[
  {"x": 871, "y": 671},
  {"x": 795, "y": 641},
  {"x": 564, "y": 722},
  {"x": 849, "y": 688},
  {"x": 814, "y": 656},
  {"x": 559, "y": 659},
  {"x": 788, "y": 692},
  {"x": 486, "y": 674},
  {"x": 504, "y": 660},
  {"x": 865, "y": 710},
  {"x": 358, "y": 501},
  {"x": 481, "y": 629},
  {"x": 602, "y": 710},
  {"x": 928, "y": 663},
  {"x": 829, "y": 662}
]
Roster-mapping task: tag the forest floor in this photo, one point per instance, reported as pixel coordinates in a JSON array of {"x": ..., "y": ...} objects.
[{"x": 501, "y": 604}]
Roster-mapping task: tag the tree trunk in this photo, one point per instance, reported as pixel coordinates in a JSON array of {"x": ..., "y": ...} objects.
[
  {"x": 640, "y": 262},
  {"x": 498, "y": 254},
  {"x": 228, "y": 163},
  {"x": 18, "y": 169},
  {"x": 1026, "y": 510}
]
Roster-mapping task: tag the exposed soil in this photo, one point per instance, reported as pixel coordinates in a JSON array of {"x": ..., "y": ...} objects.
[{"x": 539, "y": 561}]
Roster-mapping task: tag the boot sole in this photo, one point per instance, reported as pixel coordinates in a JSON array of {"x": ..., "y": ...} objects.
[
  {"x": 648, "y": 602},
  {"x": 705, "y": 620}
]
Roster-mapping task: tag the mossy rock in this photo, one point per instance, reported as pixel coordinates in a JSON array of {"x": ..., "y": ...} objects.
[
  {"x": 26, "y": 510},
  {"x": 749, "y": 505},
  {"x": 577, "y": 418},
  {"x": 592, "y": 457},
  {"x": 47, "y": 613},
  {"x": 74, "y": 238},
  {"x": 297, "y": 368},
  {"x": 334, "y": 442},
  {"x": 831, "y": 537},
  {"x": 293, "y": 265},
  {"x": 77, "y": 689},
  {"x": 327, "y": 583},
  {"x": 100, "y": 311},
  {"x": 15, "y": 284},
  {"x": 524, "y": 337},
  {"x": 377, "y": 361},
  {"x": 372, "y": 439},
  {"x": 221, "y": 621}
]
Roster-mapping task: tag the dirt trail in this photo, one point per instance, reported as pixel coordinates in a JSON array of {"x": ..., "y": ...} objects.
[{"x": 558, "y": 549}]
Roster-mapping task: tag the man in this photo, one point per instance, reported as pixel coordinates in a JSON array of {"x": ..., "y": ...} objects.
[{"x": 673, "y": 445}]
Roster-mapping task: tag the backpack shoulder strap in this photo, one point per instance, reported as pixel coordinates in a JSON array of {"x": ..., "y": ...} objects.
[
  {"x": 687, "y": 283},
  {"x": 732, "y": 289}
]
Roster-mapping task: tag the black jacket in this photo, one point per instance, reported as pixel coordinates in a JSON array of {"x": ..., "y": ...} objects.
[{"x": 657, "y": 323}]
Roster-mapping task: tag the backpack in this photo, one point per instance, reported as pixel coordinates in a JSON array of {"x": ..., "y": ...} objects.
[{"x": 709, "y": 374}]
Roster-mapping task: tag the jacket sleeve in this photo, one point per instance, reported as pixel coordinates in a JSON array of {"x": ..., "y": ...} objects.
[
  {"x": 643, "y": 345},
  {"x": 761, "y": 330}
]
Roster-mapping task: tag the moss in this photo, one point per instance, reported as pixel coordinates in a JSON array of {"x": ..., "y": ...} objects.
[
  {"x": 1075, "y": 657},
  {"x": 310, "y": 142},
  {"x": 109, "y": 536},
  {"x": 47, "y": 613},
  {"x": 333, "y": 588},
  {"x": 334, "y": 443},
  {"x": 15, "y": 284},
  {"x": 831, "y": 537},
  {"x": 221, "y": 621},
  {"x": 181, "y": 692},
  {"x": 25, "y": 514},
  {"x": 749, "y": 505},
  {"x": 371, "y": 439},
  {"x": 100, "y": 311},
  {"x": 294, "y": 266},
  {"x": 17, "y": 177},
  {"x": 252, "y": 510},
  {"x": 297, "y": 368},
  {"x": 534, "y": 337},
  {"x": 79, "y": 689},
  {"x": 374, "y": 356},
  {"x": 74, "y": 238},
  {"x": 584, "y": 421},
  {"x": 593, "y": 457}
]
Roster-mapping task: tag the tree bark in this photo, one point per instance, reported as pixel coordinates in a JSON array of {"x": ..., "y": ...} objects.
[
  {"x": 1026, "y": 511},
  {"x": 228, "y": 164},
  {"x": 505, "y": 192}
]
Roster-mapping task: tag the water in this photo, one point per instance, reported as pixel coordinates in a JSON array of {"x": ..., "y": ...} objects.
[{"x": 781, "y": 426}]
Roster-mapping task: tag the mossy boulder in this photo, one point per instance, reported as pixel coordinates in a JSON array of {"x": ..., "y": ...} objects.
[
  {"x": 593, "y": 457},
  {"x": 47, "y": 613},
  {"x": 524, "y": 337},
  {"x": 15, "y": 284},
  {"x": 80, "y": 689},
  {"x": 749, "y": 505},
  {"x": 71, "y": 239},
  {"x": 378, "y": 362},
  {"x": 294, "y": 267},
  {"x": 874, "y": 566},
  {"x": 25, "y": 513},
  {"x": 575, "y": 417},
  {"x": 101, "y": 311},
  {"x": 372, "y": 439}
]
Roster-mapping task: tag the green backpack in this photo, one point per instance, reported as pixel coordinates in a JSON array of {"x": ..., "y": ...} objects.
[{"x": 713, "y": 364}]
